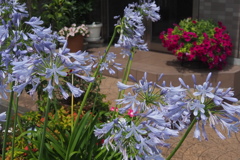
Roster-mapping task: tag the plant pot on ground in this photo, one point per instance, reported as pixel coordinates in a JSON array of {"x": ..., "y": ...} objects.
[
  {"x": 203, "y": 40},
  {"x": 94, "y": 31}
]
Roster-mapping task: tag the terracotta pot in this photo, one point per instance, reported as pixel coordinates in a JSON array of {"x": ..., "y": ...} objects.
[{"x": 75, "y": 43}]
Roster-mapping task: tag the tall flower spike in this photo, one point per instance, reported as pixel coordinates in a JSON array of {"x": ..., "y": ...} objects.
[
  {"x": 3, "y": 90},
  {"x": 77, "y": 92},
  {"x": 151, "y": 10},
  {"x": 54, "y": 71},
  {"x": 49, "y": 89},
  {"x": 3, "y": 117},
  {"x": 204, "y": 91},
  {"x": 35, "y": 22},
  {"x": 132, "y": 28},
  {"x": 212, "y": 105}
]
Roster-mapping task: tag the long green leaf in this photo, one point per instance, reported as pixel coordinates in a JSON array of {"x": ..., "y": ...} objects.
[{"x": 76, "y": 134}]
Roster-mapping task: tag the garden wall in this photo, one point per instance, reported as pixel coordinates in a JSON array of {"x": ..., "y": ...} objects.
[{"x": 228, "y": 12}]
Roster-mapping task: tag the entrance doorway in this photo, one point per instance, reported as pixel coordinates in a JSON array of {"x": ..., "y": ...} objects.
[{"x": 171, "y": 12}]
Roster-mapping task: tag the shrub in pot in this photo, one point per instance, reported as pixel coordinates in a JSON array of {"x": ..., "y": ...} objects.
[{"x": 203, "y": 40}]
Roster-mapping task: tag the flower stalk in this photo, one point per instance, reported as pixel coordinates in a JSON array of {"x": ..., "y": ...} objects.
[
  {"x": 182, "y": 139},
  {"x": 125, "y": 77},
  {"x": 72, "y": 106},
  {"x": 95, "y": 75},
  {"x": 16, "y": 121},
  {"x": 8, "y": 121},
  {"x": 42, "y": 144},
  {"x": 127, "y": 70},
  {"x": 87, "y": 93}
]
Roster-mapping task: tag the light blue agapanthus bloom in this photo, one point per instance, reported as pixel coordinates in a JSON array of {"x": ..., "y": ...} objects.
[
  {"x": 161, "y": 112},
  {"x": 135, "y": 140},
  {"x": 31, "y": 55},
  {"x": 108, "y": 64},
  {"x": 3, "y": 117},
  {"x": 213, "y": 105},
  {"x": 143, "y": 134},
  {"x": 132, "y": 27},
  {"x": 3, "y": 90}
]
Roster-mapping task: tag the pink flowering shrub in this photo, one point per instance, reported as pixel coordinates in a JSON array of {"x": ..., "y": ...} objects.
[
  {"x": 74, "y": 30},
  {"x": 113, "y": 109},
  {"x": 130, "y": 113},
  {"x": 199, "y": 39}
]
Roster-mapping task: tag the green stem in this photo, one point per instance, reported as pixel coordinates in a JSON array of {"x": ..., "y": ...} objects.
[
  {"x": 126, "y": 69},
  {"x": 129, "y": 66},
  {"x": 182, "y": 139},
  {"x": 14, "y": 127},
  {"x": 44, "y": 130},
  {"x": 125, "y": 77},
  {"x": 72, "y": 102},
  {"x": 98, "y": 82},
  {"x": 7, "y": 122},
  {"x": 95, "y": 75},
  {"x": 88, "y": 91}
]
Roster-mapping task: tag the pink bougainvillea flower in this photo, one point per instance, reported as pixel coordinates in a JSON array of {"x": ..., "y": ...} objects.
[
  {"x": 199, "y": 39},
  {"x": 113, "y": 109},
  {"x": 130, "y": 113},
  {"x": 194, "y": 22}
]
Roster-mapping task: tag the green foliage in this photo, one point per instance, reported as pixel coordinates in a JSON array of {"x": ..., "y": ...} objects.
[
  {"x": 60, "y": 141},
  {"x": 95, "y": 102},
  {"x": 58, "y": 144},
  {"x": 196, "y": 26},
  {"x": 82, "y": 10},
  {"x": 60, "y": 13}
]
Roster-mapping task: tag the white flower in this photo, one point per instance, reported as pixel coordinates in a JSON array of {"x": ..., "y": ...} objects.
[{"x": 74, "y": 30}]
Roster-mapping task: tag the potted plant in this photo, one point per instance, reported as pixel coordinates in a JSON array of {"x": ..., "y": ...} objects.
[
  {"x": 94, "y": 31},
  {"x": 93, "y": 22},
  {"x": 203, "y": 40},
  {"x": 74, "y": 35}
]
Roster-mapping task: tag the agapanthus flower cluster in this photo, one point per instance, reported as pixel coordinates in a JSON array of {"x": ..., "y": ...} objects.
[
  {"x": 74, "y": 30},
  {"x": 162, "y": 111},
  {"x": 2, "y": 118},
  {"x": 29, "y": 54},
  {"x": 131, "y": 27},
  {"x": 199, "y": 39},
  {"x": 109, "y": 63},
  {"x": 212, "y": 105},
  {"x": 140, "y": 128}
]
